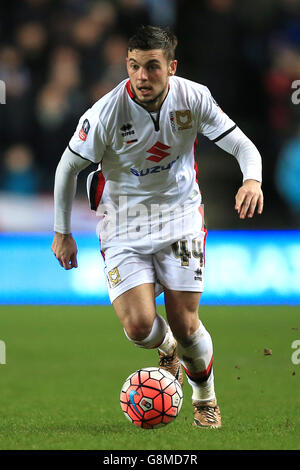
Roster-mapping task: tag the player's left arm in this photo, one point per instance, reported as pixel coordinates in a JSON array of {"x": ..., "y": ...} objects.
[
  {"x": 249, "y": 198},
  {"x": 220, "y": 129}
]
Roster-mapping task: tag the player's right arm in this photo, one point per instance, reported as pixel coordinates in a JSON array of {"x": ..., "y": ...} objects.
[
  {"x": 87, "y": 145},
  {"x": 64, "y": 246}
]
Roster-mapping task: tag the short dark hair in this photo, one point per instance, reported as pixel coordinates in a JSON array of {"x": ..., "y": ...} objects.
[{"x": 154, "y": 37}]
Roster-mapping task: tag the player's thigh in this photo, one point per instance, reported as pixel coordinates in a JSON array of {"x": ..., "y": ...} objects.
[
  {"x": 125, "y": 270},
  {"x": 135, "y": 309},
  {"x": 182, "y": 312},
  {"x": 130, "y": 281}
]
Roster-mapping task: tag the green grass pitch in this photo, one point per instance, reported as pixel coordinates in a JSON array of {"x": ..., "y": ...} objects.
[{"x": 65, "y": 366}]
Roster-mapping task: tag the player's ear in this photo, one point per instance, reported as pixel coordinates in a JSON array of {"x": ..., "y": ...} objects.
[{"x": 172, "y": 67}]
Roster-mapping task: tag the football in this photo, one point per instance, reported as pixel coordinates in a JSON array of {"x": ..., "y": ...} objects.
[{"x": 151, "y": 398}]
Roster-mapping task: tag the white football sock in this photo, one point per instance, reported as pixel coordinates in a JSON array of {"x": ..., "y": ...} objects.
[
  {"x": 168, "y": 344},
  {"x": 196, "y": 357}
]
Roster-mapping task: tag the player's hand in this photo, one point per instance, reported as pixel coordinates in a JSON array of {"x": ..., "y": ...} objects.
[
  {"x": 249, "y": 198},
  {"x": 65, "y": 249}
]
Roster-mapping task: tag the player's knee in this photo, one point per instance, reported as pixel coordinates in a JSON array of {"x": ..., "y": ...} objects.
[
  {"x": 184, "y": 328},
  {"x": 138, "y": 331}
]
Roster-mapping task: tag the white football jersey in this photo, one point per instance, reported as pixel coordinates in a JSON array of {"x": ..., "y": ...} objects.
[{"x": 145, "y": 189}]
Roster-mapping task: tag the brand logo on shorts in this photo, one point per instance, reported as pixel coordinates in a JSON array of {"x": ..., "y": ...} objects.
[
  {"x": 114, "y": 277},
  {"x": 198, "y": 276}
]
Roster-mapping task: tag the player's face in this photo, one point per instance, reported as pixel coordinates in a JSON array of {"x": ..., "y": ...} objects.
[{"x": 149, "y": 73}]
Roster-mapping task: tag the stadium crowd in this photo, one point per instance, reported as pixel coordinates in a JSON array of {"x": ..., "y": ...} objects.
[{"x": 58, "y": 57}]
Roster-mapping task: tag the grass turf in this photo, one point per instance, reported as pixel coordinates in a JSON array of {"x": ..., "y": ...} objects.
[{"x": 65, "y": 366}]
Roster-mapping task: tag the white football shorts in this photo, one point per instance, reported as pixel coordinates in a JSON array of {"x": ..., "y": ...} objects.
[{"x": 179, "y": 267}]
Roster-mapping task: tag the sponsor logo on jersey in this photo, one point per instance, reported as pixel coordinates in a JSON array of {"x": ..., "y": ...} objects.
[
  {"x": 158, "y": 152},
  {"x": 181, "y": 120},
  {"x": 153, "y": 169},
  {"x": 127, "y": 129},
  {"x": 84, "y": 130}
]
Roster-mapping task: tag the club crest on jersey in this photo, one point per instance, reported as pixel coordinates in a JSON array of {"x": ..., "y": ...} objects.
[
  {"x": 181, "y": 120},
  {"x": 84, "y": 130}
]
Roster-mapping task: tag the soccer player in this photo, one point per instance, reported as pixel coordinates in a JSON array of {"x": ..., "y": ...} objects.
[{"x": 145, "y": 191}]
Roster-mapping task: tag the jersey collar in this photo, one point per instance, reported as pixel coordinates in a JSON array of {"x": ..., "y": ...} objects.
[{"x": 129, "y": 90}]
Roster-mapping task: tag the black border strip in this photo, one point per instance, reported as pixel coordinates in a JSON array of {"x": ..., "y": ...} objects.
[
  {"x": 224, "y": 134},
  {"x": 136, "y": 459}
]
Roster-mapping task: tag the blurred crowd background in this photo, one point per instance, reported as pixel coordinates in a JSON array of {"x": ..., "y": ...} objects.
[{"x": 58, "y": 57}]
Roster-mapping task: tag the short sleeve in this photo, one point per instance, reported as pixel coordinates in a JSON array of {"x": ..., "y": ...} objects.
[
  {"x": 213, "y": 122},
  {"x": 89, "y": 139}
]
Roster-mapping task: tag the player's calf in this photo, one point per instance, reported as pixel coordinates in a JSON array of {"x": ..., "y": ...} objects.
[
  {"x": 170, "y": 363},
  {"x": 196, "y": 357}
]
